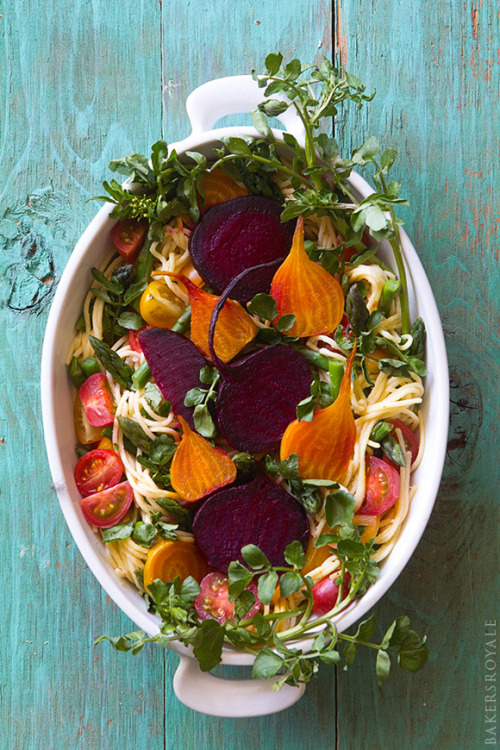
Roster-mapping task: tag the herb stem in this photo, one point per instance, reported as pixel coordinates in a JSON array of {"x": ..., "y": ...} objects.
[{"x": 396, "y": 245}]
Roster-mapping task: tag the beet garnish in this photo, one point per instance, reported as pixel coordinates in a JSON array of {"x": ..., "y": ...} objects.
[
  {"x": 259, "y": 392},
  {"x": 234, "y": 330},
  {"x": 305, "y": 289},
  {"x": 239, "y": 234},
  {"x": 260, "y": 513},
  {"x": 175, "y": 365},
  {"x": 258, "y": 397},
  {"x": 325, "y": 446},
  {"x": 199, "y": 468}
]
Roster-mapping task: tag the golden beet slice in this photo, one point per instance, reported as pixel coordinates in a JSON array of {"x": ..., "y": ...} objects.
[
  {"x": 325, "y": 446},
  {"x": 199, "y": 468},
  {"x": 306, "y": 290}
]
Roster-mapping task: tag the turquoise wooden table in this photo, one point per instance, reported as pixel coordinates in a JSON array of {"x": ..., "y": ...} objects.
[{"x": 83, "y": 82}]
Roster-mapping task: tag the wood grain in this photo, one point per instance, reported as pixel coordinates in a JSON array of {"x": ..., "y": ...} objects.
[{"x": 435, "y": 67}]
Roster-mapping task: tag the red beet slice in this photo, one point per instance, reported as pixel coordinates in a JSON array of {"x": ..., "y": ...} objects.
[
  {"x": 175, "y": 365},
  {"x": 260, "y": 513},
  {"x": 258, "y": 396},
  {"x": 236, "y": 235}
]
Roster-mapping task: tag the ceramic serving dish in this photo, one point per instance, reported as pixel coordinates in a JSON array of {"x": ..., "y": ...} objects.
[{"x": 203, "y": 691}]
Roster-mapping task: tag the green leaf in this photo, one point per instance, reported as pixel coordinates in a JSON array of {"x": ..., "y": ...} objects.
[
  {"x": 209, "y": 643},
  {"x": 118, "y": 531},
  {"x": 285, "y": 322},
  {"x": 112, "y": 285},
  {"x": 264, "y": 306},
  {"x": 382, "y": 666},
  {"x": 293, "y": 69},
  {"x": 267, "y": 586},
  {"x": 339, "y": 508},
  {"x": 295, "y": 555},
  {"x": 290, "y": 583},
  {"x": 207, "y": 376},
  {"x": 195, "y": 396},
  {"x": 134, "y": 432},
  {"x": 236, "y": 146},
  {"x": 203, "y": 421},
  {"x": 153, "y": 396},
  {"x": 131, "y": 321},
  {"x": 267, "y": 664},
  {"x": 261, "y": 124},
  {"x": 173, "y": 508},
  {"x": 134, "y": 291},
  {"x": 117, "y": 368},
  {"x": 367, "y": 152},
  {"x": 243, "y": 604},
  {"x": 162, "y": 449},
  {"x": 350, "y": 652},
  {"x": 367, "y": 628},
  {"x": 412, "y": 660},
  {"x": 239, "y": 577},
  {"x": 305, "y": 409},
  {"x": 144, "y": 534},
  {"x": 401, "y": 630},
  {"x": 387, "y": 159},
  {"x": 255, "y": 557},
  {"x": 273, "y": 62}
]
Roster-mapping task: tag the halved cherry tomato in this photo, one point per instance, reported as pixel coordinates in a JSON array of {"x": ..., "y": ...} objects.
[
  {"x": 98, "y": 470},
  {"x": 382, "y": 487},
  {"x": 159, "y": 306},
  {"x": 97, "y": 400},
  {"x": 218, "y": 187},
  {"x": 169, "y": 559},
  {"x": 410, "y": 438},
  {"x": 106, "y": 508},
  {"x": 85, "y": 432},
  {"x": 128, "y": 236},
  {"x": 212, "y": 603},
  {"x": 133, "y": 339},
  {"x": 326, "y": 593}
]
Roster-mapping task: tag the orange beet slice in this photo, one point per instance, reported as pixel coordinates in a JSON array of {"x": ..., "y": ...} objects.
[
  {"x": 219, "y": 187},
  {"x": 199, "y": 468},
  {"x": 236, "y": 235},
  {"x": 306, "y": 290},
  {"x": 234, "y": 330},
  {"x": 325, "y": 446}
]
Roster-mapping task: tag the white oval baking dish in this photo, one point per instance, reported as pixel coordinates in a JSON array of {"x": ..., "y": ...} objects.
[{"x": 205, "y": 692}]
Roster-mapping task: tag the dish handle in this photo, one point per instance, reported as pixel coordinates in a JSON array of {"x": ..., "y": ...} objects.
[
  {"x": 217, "y": 696},
  {"x": 230, "y": 96}
]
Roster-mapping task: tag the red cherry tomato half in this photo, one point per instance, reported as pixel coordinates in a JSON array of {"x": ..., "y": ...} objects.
[
  {"x": 106, "y": 508},
  {"x": 382, "y": 487},
  {"x": 98, "y": 470},
  {"x": 133, "y": 339},
  {"x": 212, "y": 603},
  {"x": 97, "y": 400},
  {"x": 128, "y": 236},
  {"x": 409, "y": 437},
  {"x": 326, "y": 593}
]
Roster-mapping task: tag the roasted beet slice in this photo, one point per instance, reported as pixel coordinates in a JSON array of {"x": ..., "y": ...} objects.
[
  {"x": 175, "y": 365},
  {"x": 258, "y": 396},
  {"x": 236, "y": 235},
  {"x": 260, "y": 513}
]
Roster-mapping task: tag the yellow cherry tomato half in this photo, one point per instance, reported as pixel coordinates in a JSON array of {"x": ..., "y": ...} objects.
[
  {"x": 159, "y": 305},
  {"x": 106, "y": 444},
  {"x": 86, "y": 433},
  {"x": 169, "y": 559}
]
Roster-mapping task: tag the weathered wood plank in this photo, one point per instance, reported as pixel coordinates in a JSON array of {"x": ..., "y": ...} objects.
[
  {"x": 435, "y": 67},
  {"x": 70, "y": 101}
]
